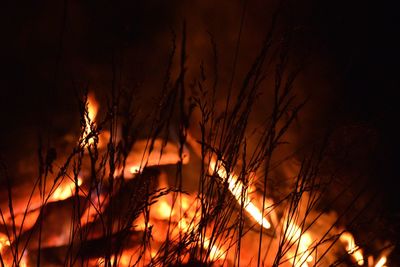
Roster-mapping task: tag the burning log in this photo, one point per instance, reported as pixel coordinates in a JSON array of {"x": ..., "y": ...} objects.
[
  {"x": 52, "y": 227},
  {"x": 124, "y": 206}
]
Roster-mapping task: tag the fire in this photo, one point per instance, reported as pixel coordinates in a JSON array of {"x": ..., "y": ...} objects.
[
  {"x": 161, "y": 154},
  {"x": 241, "y": 195},
  {"x": 125, "y": 259},
  {"x": 92, "y": 109},
  {"x": 301, "y": 255},
  {"x": 23, "y": 262},
  {"x": 65, "y": 190},
  {"x": 354, "y": 251},
  {"x": 235, "y": 186},
  {"x": 184, "y": 217},
  {"x": 4, "y": 241},
  {"x": 179, "y": 215},
  {"x": 381, "y": 262},
  {"x": 163, "y": 210},
  {"x": 215, "y": 252},
  {"x": 295, "y": 235}
]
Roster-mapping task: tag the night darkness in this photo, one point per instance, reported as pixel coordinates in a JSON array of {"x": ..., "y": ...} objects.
[{"x": 352, "y": 79}]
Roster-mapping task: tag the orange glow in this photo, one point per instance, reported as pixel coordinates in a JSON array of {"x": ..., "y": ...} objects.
[
  {"x": 215, "y": 252},
  {"x": 184, "y": 213},
  {"x": 4, "y": 241},
  {"x": 163, "y": 210},
  {"x": 236, "y": 187},
  {"x": 354, "y": 251},
  {"x": 303, "y": 241},
  {"x": 178, "y": 216},
  {"x": 96, "y": 206},
  {"x": 124, "y": 260},
  {"x": 92, "y": 109},
  {"x": 381, "y": 262},
  {"x": 23, "y": 262},
  {"x": 65, "y": 190},
  {"x": 238, "y": 191},
  {"x": 161, "y": 154},
  {"x": 184, "y": 217},
  {"x": 29, "y": 220}
]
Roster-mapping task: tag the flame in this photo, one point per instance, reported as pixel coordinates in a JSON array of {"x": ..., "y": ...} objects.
[
  {"x": 294, "y": 234},
  {"x": 215, "y": 252},
  {"x": 65, "y": 190},
  {"x": 354, "y": 251},
  {"x": 161, "y": 154},
  {"x": 92, "y": 109},
  {"x": 237, "y": 188},
  {"x": 23, "y": 261},
  {"x": 381, "y": 262},
  {"x": 184, "y": 216},
  {"x": 163, "y": 210},
  {"x": 4, "y": 241}
]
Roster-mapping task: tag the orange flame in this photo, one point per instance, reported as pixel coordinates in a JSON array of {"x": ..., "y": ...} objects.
[
  {"x": 161, "y": 154},
  {"x": 237, "y": 188},
  {"x": 354, "y": 251},
  {"x": 294, "y": 234},
  {"x": 4, "y": 241},
  {"x": 185, "y": 218},
  {"x": 92, "y": 110},
  {"x": 65, "y": 190},
  {"x": 381, "y": 262},
  {"x": 23, "y": 262}
]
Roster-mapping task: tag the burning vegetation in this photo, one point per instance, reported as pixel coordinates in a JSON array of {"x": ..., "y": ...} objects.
[{"x": 188, "y": 184}]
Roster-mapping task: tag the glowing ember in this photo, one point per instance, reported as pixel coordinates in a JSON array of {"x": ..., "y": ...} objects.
[
  {"x": 92, "y": 110},
  {"x": 381, "y": 262},
  {"x": 161, "y": 154},
  {"x": 184, "y": 217},
  {"x": 352, "y": 248},
  {"x": 162, "y": 210},
  {"x": 4, "y": 241},
  {"x": 238, "y": 190},
  {"x": 294, "y": 234},
  {"x": 65, "y": 190},
  {"x": 215, "y": 252}
]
